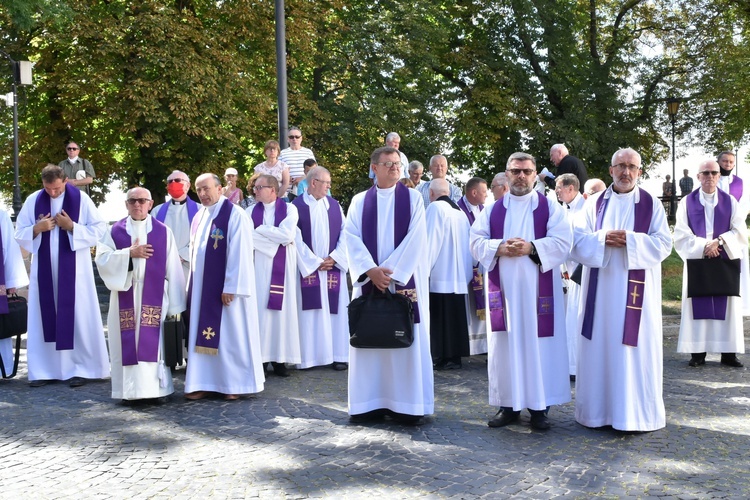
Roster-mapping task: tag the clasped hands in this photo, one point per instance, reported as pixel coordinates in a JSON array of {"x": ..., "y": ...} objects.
[
  {"x": 711, "y": 250},
  {"x": 380, "y": 277},
  {"x": 514, "y": 247},
  {"x": 616, "y": 238},
  {"x": 327, "y": 264}
]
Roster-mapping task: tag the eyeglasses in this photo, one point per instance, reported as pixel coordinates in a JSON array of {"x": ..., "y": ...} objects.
[
  {"x": 327, "y": 183},
  {"x": 389, "y": 164},
  {"x": 625, "y": 166},
  {"x": 709, "y": 172},
  {"x": 170, "y": 181},
  {"x": 72, "y": 149},
  {"x": 518, "y": 171},
  {"x": 260, "y": 188},
  {"x": 295, "y": 137},
  {"x": 140, "y": 201}
]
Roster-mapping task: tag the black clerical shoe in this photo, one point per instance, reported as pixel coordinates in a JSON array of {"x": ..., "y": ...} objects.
[
  {"x": 38, "y": 383},
  {"x": 370, "y": 416},
  {"x": 731, "y": 360},
  {"x": 697, "y": 359},
  {"x": 503, "y": 418},
  {"x": 338, "y": 366},
  {"x": 280, "y": 369},
  {"x": 450, "y": 365},
  {"x": 407, "y": 419},
  {"x": 539, "y": 421},
  {"x": 77, "y": 382}
]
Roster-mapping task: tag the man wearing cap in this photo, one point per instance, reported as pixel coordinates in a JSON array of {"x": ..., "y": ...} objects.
[{"x": 177, "y": 214}]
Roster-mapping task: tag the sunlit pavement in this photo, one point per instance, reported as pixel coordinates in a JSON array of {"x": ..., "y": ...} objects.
[{"x": 294, "y": 440}]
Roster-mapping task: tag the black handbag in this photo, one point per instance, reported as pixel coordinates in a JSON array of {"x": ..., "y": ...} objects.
[
  {"x": 381, "y": 320},
  {"x": 14, "y": 324},
  {"x": 713, "y": 277},
  {"x": 174, "y": 333}
]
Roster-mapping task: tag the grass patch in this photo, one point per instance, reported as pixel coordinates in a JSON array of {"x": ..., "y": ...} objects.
[{"x": 671, "y": 284}]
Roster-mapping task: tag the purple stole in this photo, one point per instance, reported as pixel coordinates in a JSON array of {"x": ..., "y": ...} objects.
[
  {"x": 58, "y": 325},
  {"x": 310, "y": 285},
  {"x": 644, "y": 210},
  {"x": 192, "y": 209},
  {"x": 400, "y": 228},
  {"x": 545, "y": 292},
  {"x": 152, "y": 297},
  {"x": 3, "y": 291},
  {"x": 710, "y": 307},
  {"x": 276, "y": 295},
  {"x": 477, "y": 284},
  {"x": 214, "y": 271},
  {"x": 735, "y": 188}
]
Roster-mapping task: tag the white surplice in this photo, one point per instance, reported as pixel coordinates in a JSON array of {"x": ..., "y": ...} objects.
[
  {"x": 237, "y": 368},
  {"x": 617, "y": 384},
  {"x": 177, "y": 220},
  {"x": 710, "y": 335},
  {"x": 525, "y": 370},
  {"x": 145, "y": 379},
  {"x": 15, "y": 277},
  {"x": 279, "y": 330},
  {"x": 324, "y": 337},
  {"x": 743, "y": 206},
  {"x": 88, "y": 359},
  {"x": 477, "y": 326},
  {"x": 397, "y": 379},
  {"x": 573, "y": 296}
]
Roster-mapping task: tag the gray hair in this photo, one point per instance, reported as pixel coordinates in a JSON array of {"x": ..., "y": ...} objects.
[
  {"x": 439, "y": 187},
  {"x": 415, "y": 165},
  {"x": 518, "y": 156},
  {"x": 622, "y": 152},
  {"x": 594, "y": 186},
  {"x": 127, "y": 195},
  {"x": 314, "y": 172},
  {"x": 435, "y": 157},
  {"x": 569, "y": 180},
  {"x": 501, "y": 179},
  {"x": 391, "y": 136},
  {"x": 179, "y": 172},
  {"x": 559, "y": 147}
]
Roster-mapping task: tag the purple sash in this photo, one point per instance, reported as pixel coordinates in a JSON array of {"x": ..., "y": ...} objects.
[
  {"x": 192, "y": 209},
  {"x": 545, "y": 292},
  {"x": 710, "y": 307},
  {"x": 276, "y": 294},
  {"x": 477, "y": 283},
  {"x": 402, "y": 217},
  {"x": 58, "y": 325},
  {"x": 636, "y": 277},
  {"x": 463, "y": 206},
  {"x": 735, "y": 188},
  {"x": 310, "y": 285},
  {"x": 3, "y": 290},
  {"x": 214, "y": 272},
  {"x": 152, "y": 297}
]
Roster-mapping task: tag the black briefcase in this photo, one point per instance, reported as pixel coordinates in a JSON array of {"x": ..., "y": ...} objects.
[
  {"x": 174, "y": 333},
  {"x": 14, "y": 324},
  {"x": 713, "y": 277},
  {"x": 381, "y": 321}
]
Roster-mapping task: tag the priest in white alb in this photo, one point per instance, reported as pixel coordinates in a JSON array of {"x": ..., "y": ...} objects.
[
  {"x": 224, "y": 344},
  {"x": 450, "y": 273},
  {"x": 386, "y": 242},
  {"x": 138, "y": 261},
  {"x": 710, "y": 225},
  {"x": 322, "y": 294},
  {"x": 521, "y": 242},
  {"x": 177, "y": 214},
  {"x": 58, "y": 225},
  {"x": 621, "y": 238},
  {"x": 275, "y": 223},
  {"x": 13, "y": 275}
]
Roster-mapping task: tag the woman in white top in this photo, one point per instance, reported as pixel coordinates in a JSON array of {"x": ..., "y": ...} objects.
[{"x": 273, "y": 166}]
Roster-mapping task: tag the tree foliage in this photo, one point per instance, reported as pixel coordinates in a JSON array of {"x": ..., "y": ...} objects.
[{"x": 148, "y": 86}]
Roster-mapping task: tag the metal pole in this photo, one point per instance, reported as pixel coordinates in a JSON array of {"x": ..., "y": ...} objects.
[
  {"x": 16, "y": 186},
  {"x": 281, "y": 89},
  {"x": 673, "y": 200}
]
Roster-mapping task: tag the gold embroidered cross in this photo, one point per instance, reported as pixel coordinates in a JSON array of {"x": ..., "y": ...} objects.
[
  {"x": 310, "y": 280},
  {"x": 127, "y": 319},
  {"x": 208, "y": 333},
  {"x": 151, "y": 315},
  {"x": 635, "y": 294},
  {"x": 216, "y": 235},
  {"x": 332, "y": 281}
]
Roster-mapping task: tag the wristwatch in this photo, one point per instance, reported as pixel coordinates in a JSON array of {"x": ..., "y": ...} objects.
[{"x": 721, "y": 241}]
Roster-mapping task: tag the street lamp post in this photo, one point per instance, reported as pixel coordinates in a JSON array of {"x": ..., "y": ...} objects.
[
  {"x": 673, "y": 104},
  {"x": 21, "y": 71}
]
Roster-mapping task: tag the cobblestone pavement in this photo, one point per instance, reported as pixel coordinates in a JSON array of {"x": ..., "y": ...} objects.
[{"x": 294, "y": 440}]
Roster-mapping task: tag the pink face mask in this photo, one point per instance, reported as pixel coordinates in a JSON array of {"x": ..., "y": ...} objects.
[{"x": 176, "y": 189}]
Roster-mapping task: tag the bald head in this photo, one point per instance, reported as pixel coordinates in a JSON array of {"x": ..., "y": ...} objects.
[
  {"x": 438, "y": 188},
  {"x": 593, "y": 186}
]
